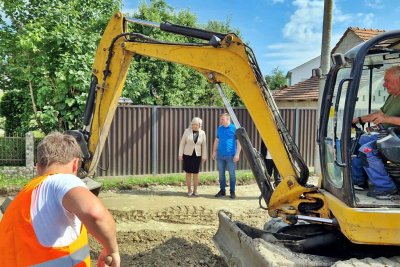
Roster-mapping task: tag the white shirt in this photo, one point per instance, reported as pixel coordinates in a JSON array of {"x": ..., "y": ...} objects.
[{"x": 54, "y": 226}]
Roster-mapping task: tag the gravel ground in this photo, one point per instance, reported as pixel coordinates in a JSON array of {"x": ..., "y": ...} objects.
[{"x": 161, "y": 226}]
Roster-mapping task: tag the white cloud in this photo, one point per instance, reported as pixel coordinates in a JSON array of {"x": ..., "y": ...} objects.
[
  {"x": 289, "y": 55},
  {"x": 305, "y": 23},
  {"x": 375, "y": 4},
  {"x": 340, "y": 17},
  {"x": 303, "y": 33},
  {"x": 366, "y": 20}
]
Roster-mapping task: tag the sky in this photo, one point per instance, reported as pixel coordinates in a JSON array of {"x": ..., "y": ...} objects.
[{"x": 287, "y": 33}]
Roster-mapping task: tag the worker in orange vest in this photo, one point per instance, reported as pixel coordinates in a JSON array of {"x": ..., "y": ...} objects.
[{"x": 45, "y": 225}]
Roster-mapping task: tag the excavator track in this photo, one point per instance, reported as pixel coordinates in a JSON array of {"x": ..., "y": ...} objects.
[
  {"x": 378, "y": 262},
  {"x": 240, "y": 249}
]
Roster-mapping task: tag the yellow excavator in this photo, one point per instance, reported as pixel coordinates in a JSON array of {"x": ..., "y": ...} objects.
[{"x": 312, "y": 224}]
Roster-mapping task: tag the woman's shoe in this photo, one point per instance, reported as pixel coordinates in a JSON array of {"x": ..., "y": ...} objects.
[
  {"x": 189, "y": 193},
  {"x": 195, "y": 194}
]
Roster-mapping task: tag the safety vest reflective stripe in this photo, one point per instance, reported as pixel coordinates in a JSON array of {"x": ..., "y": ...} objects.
[{"x": 67, "y": 261}]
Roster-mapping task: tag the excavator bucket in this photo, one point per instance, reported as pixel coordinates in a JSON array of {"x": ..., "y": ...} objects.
[{"x": 243, "y": 246}]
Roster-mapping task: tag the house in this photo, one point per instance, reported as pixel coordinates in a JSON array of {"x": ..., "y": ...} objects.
[
  {"x": 302, "y": 72},
  {"x": 301, "y": 95},
  {"x": 304, "y": 93},
  {"x": 354, "y": 36}
]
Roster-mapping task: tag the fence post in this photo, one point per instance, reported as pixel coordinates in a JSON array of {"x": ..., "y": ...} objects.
[
  {"x": 296, "y": 126},
  {"x": 30, "y": 152},
  {"x": 154, "y": 141}
]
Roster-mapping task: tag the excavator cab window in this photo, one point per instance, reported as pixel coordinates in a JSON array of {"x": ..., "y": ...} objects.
[
  {"x": 370, "y": 96},
  {"x": 332, "y": 144}
]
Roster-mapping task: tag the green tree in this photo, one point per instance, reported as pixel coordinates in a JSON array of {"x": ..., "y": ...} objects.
[
  {"x": 276, "y": 79},
  {"x": 163, "y": 83},
  {"x": 46, "y": 52}
]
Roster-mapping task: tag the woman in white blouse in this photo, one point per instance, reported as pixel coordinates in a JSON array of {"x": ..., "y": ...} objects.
[{"x": 193, "y": 151}]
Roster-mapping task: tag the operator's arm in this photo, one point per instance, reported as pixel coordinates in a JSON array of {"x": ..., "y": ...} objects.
[
  {"x": 215, "y": 147},
  {"x": 97, "y": 219},
  {"x": 383, "y": 118},
  {"x": 377, "y": 118},
  {"x": 238, "y": 149},
  {"x": 368, "y": 118}
]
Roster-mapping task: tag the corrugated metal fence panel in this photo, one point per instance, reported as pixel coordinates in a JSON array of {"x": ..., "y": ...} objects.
[
  {"x": 302, "y": 126},
  {"x": 128, "y": 147},
  {"x": 247, "y": 123},
  {"x": 307, "y": 132},
  {"x": 289, "y": 118},
  {"x": 173, "y": 121}
]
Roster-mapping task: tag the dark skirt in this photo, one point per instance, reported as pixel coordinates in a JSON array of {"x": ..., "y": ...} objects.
[{"x": 191, "y": 164}]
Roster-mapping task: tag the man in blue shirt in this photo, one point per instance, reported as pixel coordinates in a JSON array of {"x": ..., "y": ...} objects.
[{"x": 226, "y": 150}]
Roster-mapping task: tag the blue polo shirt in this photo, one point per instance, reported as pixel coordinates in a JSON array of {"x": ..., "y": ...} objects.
[{"x": 227, "y": 140}]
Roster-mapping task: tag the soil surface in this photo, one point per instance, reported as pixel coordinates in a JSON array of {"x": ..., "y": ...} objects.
[{"x": 162, "y": 226}]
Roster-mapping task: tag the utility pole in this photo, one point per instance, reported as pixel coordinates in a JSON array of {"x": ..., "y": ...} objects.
[{"x": 325, "y": 65}]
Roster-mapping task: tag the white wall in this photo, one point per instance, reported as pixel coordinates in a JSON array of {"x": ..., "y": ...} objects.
[{"x": 303, "y": 72}]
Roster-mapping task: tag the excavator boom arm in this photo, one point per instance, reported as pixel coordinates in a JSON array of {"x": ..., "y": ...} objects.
[{"x": 227, "y": 63}]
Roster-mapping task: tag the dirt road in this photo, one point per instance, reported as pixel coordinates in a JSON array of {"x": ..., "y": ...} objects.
[{"x": 162, "y": 226}]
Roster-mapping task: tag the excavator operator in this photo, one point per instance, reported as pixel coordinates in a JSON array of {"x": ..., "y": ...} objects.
[{"x": 368, "y": 165}]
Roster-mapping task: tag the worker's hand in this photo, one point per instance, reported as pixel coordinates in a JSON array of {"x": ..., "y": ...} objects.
[
  {"x": 379, "y": 118},
  {"x": 214, "y": 155},
  {"x": 203, "y": 160},
  {"x": 180, "y": 157},
  {"x": 354, "y": 120},
  {"x": 105, "y": 258},
  {"x": 235, "y": 158}
]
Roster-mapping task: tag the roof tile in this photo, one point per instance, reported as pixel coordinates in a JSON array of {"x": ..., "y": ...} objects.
[
  {"x": 362, "y": 33},
  {"x": 303, "y": 91}
]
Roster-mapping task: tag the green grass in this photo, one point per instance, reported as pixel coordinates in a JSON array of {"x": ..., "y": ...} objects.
[
  {"x": 11, "y": 185},
  {"x": 177, "y": 179}
]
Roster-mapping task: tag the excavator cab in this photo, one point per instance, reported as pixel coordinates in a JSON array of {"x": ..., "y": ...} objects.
[{"x": 354, "y": 87}]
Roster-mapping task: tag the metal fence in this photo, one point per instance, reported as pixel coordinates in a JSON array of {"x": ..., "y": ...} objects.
[
  {"x": 12, "y": 151},
  {"x": 145, "y": 139}
]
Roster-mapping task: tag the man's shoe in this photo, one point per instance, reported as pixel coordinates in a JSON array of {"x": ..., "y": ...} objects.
[
  {"x": 358, "y": 188},
  {"x": 220, "y": 194},
  {"x": 233, "y": 195},
  {"x": 382, "y": 195}
]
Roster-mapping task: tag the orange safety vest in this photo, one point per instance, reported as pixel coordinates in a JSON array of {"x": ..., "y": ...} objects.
[{"x": 19, "y": 245}]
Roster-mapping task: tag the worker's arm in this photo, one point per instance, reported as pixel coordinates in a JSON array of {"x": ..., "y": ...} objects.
[
  {"x": 215, "y": 147},
  {"x": 97, "y": 219},
  {"x": 369, "y": 118},
  {"x": 382, "y": 118},
  {"x": 238, "y": 149}
]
